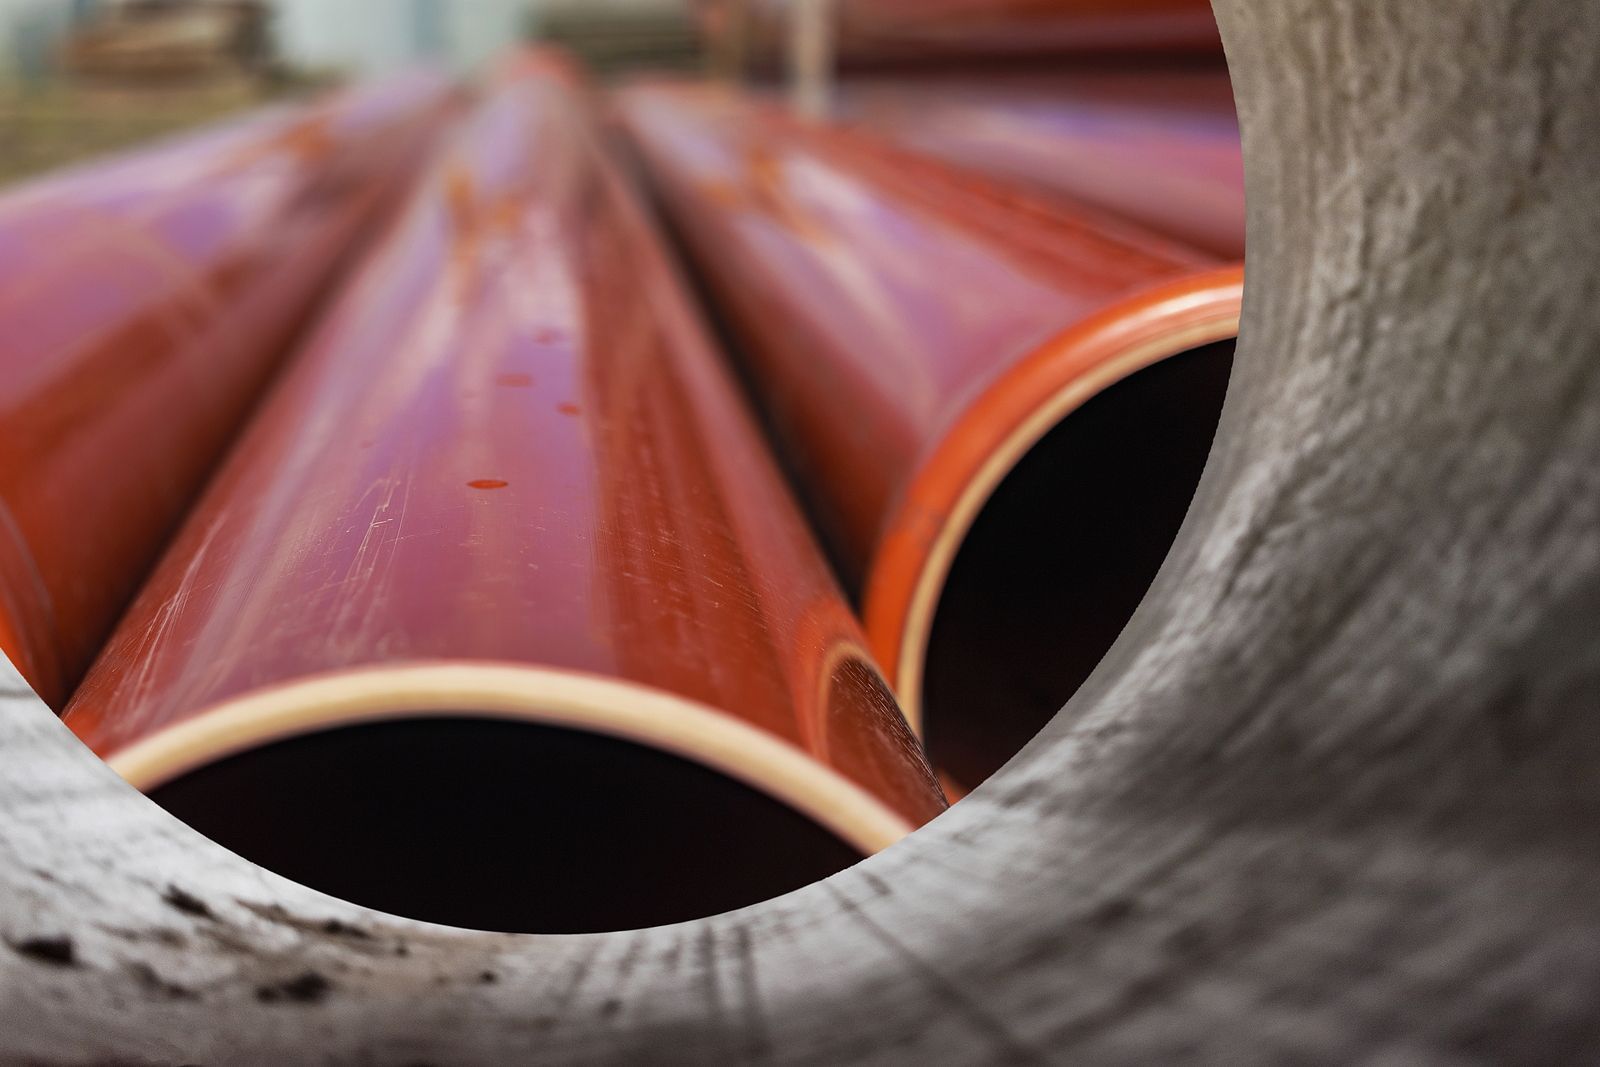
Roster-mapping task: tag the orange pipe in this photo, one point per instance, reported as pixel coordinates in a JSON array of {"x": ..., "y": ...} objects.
[
  {"x": 1159, "y": 147},
  {"x": 511, "y": 479},
  {"x": 144, "y": 303},
  {"x": 914, "y": 332}
]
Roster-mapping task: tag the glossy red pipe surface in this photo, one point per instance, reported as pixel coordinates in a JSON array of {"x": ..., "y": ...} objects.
[
  {"x": 1159, "y": 147},
  {"x": 144, "y": 303},
  {"x": 511, "y": 478},
  {"x": 911, "y": 330}
]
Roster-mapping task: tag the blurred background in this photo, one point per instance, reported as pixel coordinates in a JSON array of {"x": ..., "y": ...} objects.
[{"x": 81, "y": 77}]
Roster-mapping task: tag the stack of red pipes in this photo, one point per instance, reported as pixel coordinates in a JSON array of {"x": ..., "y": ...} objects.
[
  {"x": 454, "y": 572},
  {"x": 499, "y": 612}
]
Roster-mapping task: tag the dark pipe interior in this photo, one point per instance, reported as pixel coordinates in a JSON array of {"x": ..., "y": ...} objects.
[
  {"x": 1061, "y": 556},
  {"x": 507, "y": 826}
]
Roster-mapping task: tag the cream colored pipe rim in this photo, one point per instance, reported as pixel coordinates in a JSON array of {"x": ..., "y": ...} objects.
[
  {"x": 526, "y": 694},
  {"x": 1001, "y": 462}
]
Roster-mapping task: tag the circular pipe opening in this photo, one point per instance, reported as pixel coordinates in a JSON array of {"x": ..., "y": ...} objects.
[
  {"x": 1060, "y": 556},
  {"x": 492, "y": 824}
]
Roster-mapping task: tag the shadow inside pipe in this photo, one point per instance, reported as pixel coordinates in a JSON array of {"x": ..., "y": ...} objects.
[
  {"x": 1060, "y": 557},
  {"x": 507, "y": 826}
]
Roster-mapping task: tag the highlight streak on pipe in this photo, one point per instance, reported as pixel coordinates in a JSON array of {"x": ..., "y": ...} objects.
[
  {"x": 511, "y": 478},
  {"x": 144, "y": 303},
  {"x": 912, "y": 331}
]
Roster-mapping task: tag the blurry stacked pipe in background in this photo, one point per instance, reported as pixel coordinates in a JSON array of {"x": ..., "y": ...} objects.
[
  {"x": 1158, "y": 146},
  {"x": 997, "y": 406},
  {"x": 926, "y": 30},
  {"x": 144, "y": 305},
  {"x": 880, "y": 33},
  {"x": 501, "y": 614}
]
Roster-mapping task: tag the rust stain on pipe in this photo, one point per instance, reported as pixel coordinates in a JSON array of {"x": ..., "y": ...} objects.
[
  {"x": 510, "y": 478},
  {"x": 144, "y": 304},
  {"x": 913, "y": 332}
]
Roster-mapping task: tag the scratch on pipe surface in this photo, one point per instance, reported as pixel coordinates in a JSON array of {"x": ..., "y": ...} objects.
[
  {"x": 155, "y": 637},
  {"x": 373, "y": 560}
]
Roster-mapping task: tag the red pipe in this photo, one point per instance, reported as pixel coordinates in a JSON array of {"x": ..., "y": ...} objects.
[
  {"x": 511, "y": 478},
  {"x": 1159, "y": 147},
  {"x": 144, "y": 303},
  {"x": 913, "y": 332}
]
